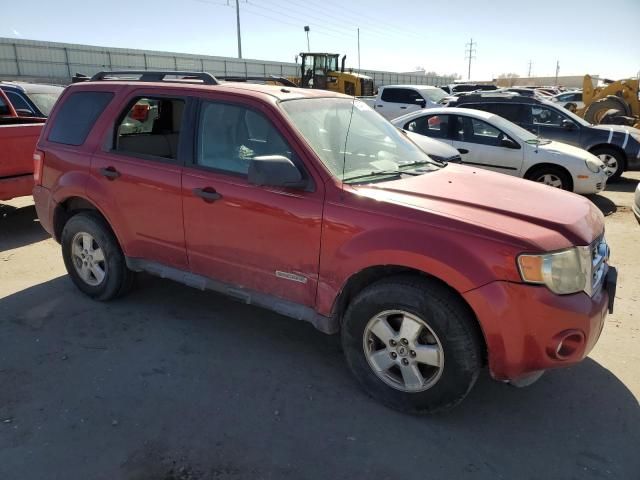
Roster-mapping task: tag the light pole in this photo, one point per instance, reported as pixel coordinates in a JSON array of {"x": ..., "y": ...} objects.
[
  {"x": 306, "y": 29},
  {"x": 238, "y": 28}
]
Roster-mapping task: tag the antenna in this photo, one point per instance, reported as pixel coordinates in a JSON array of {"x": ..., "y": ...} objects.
[
  {"x": 353, "y": 104},
  {"x": 470, "y": 54}
]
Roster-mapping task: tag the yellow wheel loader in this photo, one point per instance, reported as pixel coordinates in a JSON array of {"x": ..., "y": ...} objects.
[
  {"x": 615, "y": 102},
  {"x": 320, "y": 70}
]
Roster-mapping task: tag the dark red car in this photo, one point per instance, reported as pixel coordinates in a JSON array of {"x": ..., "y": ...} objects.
[{"x": 309, "y": 203}]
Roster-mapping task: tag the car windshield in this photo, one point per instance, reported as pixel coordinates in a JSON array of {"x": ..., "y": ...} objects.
[
  {"x": 44, "y": 101},
  {"x": 373, "y": 149},
  {"x": 434, "y": 94}
]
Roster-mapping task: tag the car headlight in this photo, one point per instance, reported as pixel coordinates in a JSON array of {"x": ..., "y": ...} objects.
[
  {"x": 561, "y": 272},
  {"x": 594, "y": 164}
]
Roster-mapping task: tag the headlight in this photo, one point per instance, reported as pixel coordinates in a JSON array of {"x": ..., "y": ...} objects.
[
  {"x": 594, "y": 164},
  {"x": 562, "y": 272}
]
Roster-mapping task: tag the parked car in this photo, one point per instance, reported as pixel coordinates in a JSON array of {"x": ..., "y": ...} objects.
[
  {"x": 569, "y": 100},
  {"x": 467, "y": 87},
  {"x": 489, "y": 141},
  {"x": 31, "y": 99},
  {"x": 18, "y": 137},
  {"x": 617, "y": 146},
  {"x": 395, "y": 100},
  {"x": 323, "y": 211},
  {"x": 636, "y": 203}
]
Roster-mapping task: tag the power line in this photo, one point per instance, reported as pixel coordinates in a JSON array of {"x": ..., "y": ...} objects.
[{"x": 469, "y": 54}]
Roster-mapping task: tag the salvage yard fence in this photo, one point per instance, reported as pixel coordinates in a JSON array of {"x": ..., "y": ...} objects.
[{"x": 51, "y": 62}]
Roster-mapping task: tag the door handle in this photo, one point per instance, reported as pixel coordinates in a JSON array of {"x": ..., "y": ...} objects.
[
  {"x": 403, "y": 108},
  {"x": 379, "y": 106},
  {"x": 208, "y": 194},
  {"x": 109, "y": 172},
  {"x": 463, "y": 150}
]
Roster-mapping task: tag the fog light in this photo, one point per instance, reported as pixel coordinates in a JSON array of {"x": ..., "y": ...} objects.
[{"x": 566, "y": 344}]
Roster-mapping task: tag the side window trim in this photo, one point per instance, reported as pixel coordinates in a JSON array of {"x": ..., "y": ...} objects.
[{"x": 183, "y": 143}]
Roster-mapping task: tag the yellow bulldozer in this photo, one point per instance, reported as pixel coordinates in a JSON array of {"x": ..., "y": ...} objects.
[
  {"x": 614, "y": 102},
  {"x": 320, "y": 70}
]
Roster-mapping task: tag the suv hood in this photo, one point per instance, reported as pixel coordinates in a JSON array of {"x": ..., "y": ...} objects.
[{"x": 541, "y": 217}]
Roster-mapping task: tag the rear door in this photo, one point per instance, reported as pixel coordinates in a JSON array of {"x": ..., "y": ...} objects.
[
  {"x": 481, "y": 144},
  {"x": 262, "y": 238},
  {"x": 136, "y": 176}
]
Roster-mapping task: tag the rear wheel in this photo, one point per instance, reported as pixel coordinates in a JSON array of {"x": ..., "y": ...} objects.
[
  {"x": 412, "y": 344},
  {"x": 552, "y": 176},
  {"x": 613, "y": 161},
  {"x": 93, "y": 257}
]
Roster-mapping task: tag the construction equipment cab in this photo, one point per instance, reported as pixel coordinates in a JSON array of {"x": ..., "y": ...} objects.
[{"x": 320, "y": 70}]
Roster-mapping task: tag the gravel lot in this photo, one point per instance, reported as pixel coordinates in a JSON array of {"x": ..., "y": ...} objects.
[{"x": 173, "y": 383}]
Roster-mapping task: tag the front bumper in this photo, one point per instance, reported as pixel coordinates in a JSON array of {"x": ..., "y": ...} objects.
[
  {"x": 593, "y": 183},
  {"x": 528, "y": 328}
]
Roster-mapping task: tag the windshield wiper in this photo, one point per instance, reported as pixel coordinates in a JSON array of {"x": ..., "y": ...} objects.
[
  {"x": 431, "y": 161},
  {"x": 377, "y": 173}
]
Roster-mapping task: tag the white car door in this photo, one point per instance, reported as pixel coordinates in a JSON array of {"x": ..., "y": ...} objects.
[
  {"x": 483, "y": 145},
  {"x": 396, "y": 101}
]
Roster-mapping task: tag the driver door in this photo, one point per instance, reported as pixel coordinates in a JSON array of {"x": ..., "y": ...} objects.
[
  {"x": 266, "y": 239},
  {"x": 481, "y": 144}
]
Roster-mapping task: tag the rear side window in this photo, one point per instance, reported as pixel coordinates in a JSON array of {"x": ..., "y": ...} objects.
[
  {"x": 435, "y": 126},
  {"x": 77, "y": 115},
  {"x": 400, "y": 95},
  {"x": 151, "y": 127}
]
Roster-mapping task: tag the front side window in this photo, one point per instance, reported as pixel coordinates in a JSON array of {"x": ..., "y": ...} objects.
[
  {"x": 435, "y": 126},
  {"x": 480, "y": 132},
  {"x": 77, "y": 115},
  {"x": 18, "y": 101},
  {"x": 541, "y": 115},
  {"x": 229, "y": 136},
  {"x": 150, "y": 127}
]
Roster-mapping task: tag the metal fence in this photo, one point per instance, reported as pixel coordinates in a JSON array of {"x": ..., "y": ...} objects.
[{"x": 51, "y": 62}]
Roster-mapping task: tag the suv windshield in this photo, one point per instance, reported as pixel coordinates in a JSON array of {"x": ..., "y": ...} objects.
[{"x": 373, "y": 146}]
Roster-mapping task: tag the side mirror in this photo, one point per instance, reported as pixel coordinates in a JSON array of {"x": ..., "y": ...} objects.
[
  {"x": 568, "y": 124},
  {"x": 508, "y": 143},
  {"x": 275, "y": 171},
  {"x": 24, "y": 112},
  {"x": 422, "y": 102}
]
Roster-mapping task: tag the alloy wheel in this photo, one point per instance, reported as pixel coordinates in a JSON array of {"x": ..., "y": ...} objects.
[
  {"x": 403, "y": 351},
  {"x": 550, "y": 179},
  {"x": 88, "y": 259},
  {"x": 610, "y": 163}
]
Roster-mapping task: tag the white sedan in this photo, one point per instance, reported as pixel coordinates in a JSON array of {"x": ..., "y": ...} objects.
[{"x": 488, "y": 141}]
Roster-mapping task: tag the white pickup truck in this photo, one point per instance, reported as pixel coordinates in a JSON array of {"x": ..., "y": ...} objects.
[{"x": 395, "y": 100}]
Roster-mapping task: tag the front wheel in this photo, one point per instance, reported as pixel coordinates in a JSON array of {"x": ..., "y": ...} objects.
[
  {"x": 412, "y": 344},
  {"x": 551, "y": 176},
  {"x": 613, "y": 161}
]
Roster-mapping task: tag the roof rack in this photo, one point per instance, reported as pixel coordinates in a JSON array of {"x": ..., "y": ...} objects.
[
  {"x": 269, "y": 78},
  {"x": 156, "y": 76}
]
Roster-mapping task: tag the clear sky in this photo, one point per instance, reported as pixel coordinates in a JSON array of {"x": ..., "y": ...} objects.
[{"x": 587, "y": 36}]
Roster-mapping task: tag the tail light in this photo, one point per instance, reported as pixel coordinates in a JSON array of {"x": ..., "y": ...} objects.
[{"x": 38, "y": 162}]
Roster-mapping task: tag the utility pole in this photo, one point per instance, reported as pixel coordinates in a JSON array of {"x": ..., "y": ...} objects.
[
  {"x": 358, "y": 48},
  {"x": 306, "y": 29},
  {"x": 238, "y": 28},
  {"x": 469, "y": 53},
  {"x": 557, "y": 70},
  {"x": 529, "y": 69}
]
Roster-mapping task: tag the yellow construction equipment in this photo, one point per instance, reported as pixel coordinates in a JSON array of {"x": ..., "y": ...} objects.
[
  {"x": 320, "y": 70},
  {"x": 602, "y": 102}
]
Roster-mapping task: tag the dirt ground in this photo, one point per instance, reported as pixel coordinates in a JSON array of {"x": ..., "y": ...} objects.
[{"x": 173, "y": 383}]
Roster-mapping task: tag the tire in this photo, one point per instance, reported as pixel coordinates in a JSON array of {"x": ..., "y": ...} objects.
[
  {"x": 613, "y": 160},
  {"x": 448, "y": 336},
  {"x": 595, "y": 111},
  {"x": 552, "y": 176},
  {"x": 88, "y": 247}
]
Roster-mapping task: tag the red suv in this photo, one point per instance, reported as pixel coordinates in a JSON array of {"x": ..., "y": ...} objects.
[{"x": 309, "y": 203}]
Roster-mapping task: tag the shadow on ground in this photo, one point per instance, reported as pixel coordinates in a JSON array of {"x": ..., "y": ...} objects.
[
  {"x": 174, "y": 383},
  {"x": 606, "y": 206},
  {"x": 19, "y": 227},
  {"x": 623, "y": 184}
]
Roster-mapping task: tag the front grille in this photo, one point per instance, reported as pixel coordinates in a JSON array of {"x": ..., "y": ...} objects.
[
  {"x": 599, "y": 256},
  {"x": 599, "y": 186},
  {"x": 366, "y": 87}
]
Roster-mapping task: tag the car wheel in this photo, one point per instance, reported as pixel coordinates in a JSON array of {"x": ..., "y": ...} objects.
[
  {"x": 552, "y": 176},
  {"x": 93, "y": 257},
  {"x": 613, "y": 161},
  {"x": 412, "y": 344}
]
